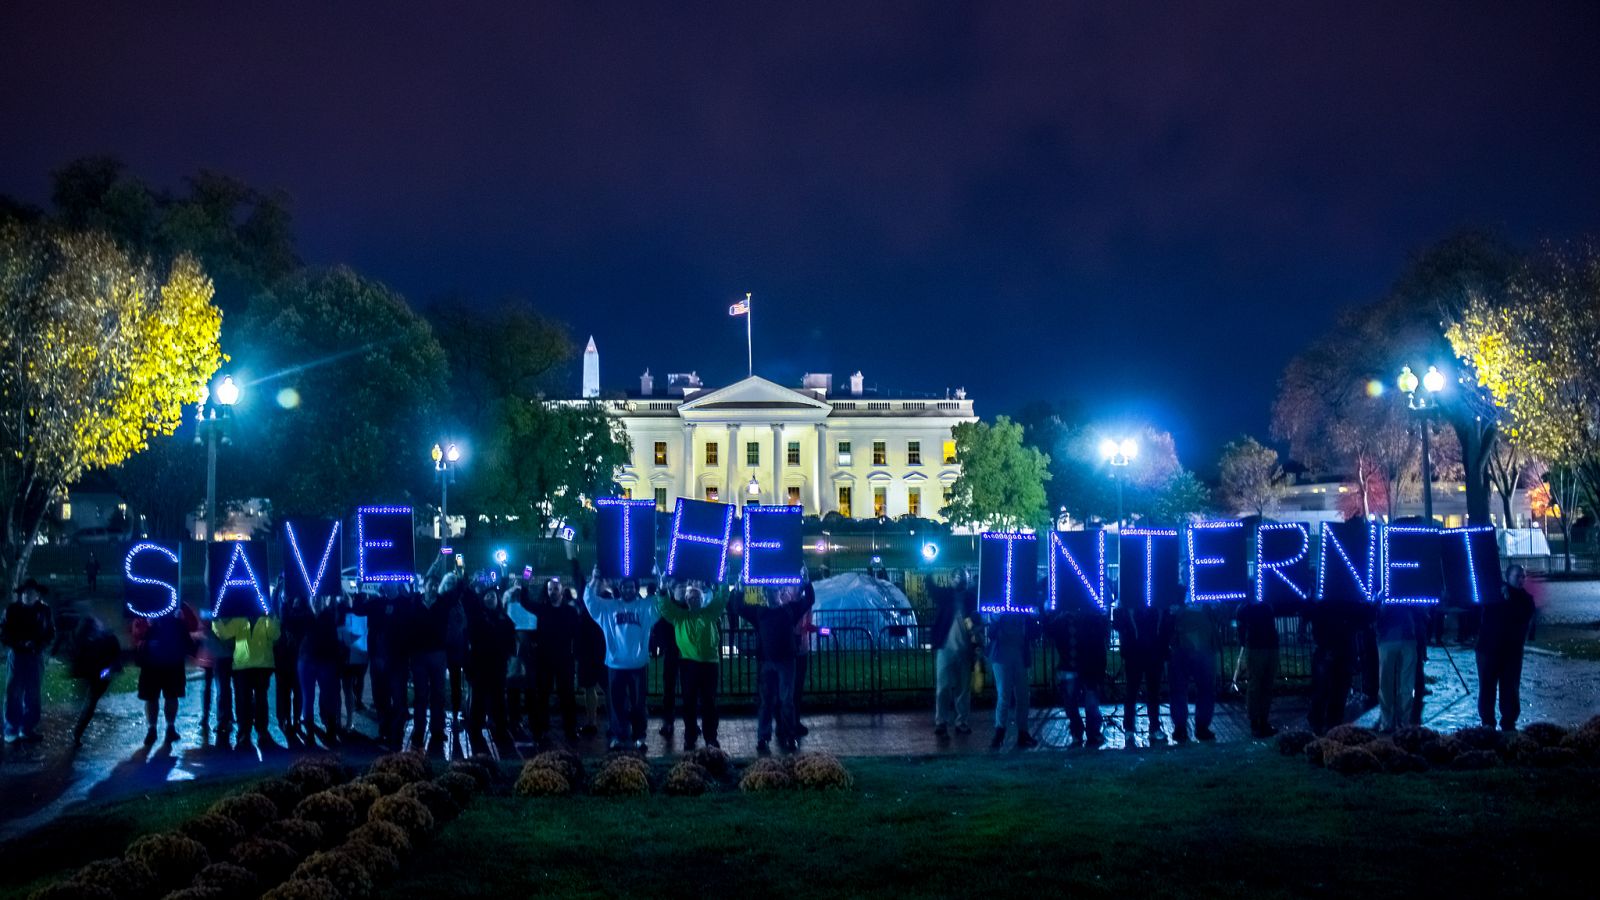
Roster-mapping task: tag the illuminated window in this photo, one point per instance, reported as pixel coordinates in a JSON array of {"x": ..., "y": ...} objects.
[
  {"x": 661, "y": 499},
  {"x": 949, "y": 451},
  {"x": 844, "y": 500},
  {"x": 792, "y": 454},
  {"x": 66, "y": 511},
  {"x": 794, "y": 496},
  {"x": 947, "y": 496},
  {"x": 752, "y": 454},
  {"x": 661, "y": 453},
  {"x": 627, "y": 493},
  {"x": 913, "y": 453},
  {"x": 711, "y": 493},
  {"x": 711, "y": 453},
  {"x": 880, "y": 502},
  {"x": 914, "y": 501},
  {"x": 880, "y": 453},
  {"x": 844, "y": 453}
]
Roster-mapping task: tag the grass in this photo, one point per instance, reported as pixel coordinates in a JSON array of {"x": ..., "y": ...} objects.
[
  {"x": 1569, "y": 641},
  {"x": 1208, "y": 821}
]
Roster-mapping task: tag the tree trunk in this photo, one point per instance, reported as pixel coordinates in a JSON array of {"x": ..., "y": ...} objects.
[{"x": 1477, "y": 444}]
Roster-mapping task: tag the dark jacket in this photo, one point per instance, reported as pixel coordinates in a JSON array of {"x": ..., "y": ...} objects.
[
  {"x": 1506, "y": 621},
  {"x": 1335, "y": 623},
  {"x": 558, "y": 629},
  {"x": 428, "y": 627},
  {"x": 1258, "y": 625},
  {"x": 951, "y": 602},
  {"x": 1145, "y": 631},
  {"x": 317, "y": 633},
  {"x": 166, "y": 641},
  {"x": 491, "y": 636},
  {"x": 27, "y": 628},
  {"x": 388, "y": 621},
  {"x": 775, "y": 625},
  {"x": 97, "y": 653},
  {"x": 1082, "y": 638}
]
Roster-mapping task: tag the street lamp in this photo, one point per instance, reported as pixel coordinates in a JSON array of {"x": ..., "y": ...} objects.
[
  {"x": 211, "y": 428},
  {"x": 1432, "y": 382},
  {"x": 1119, "y": 454},
  {"x": 753, "y": 488},
  {"x": 444, "y": 459}
]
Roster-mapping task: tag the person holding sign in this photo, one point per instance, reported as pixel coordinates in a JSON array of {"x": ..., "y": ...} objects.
[
  {"x": 626, "y": 620},
  {"x": 558, "y": 630},
  {"x": 774, "y": 623},
  {"x": 1082, "y": 634},
  {"x": 693, "y": 618},
  {"x": 161, "y": 644},
  {"x": 955, "y": 640},
  {"x": 1010, "y": 636},
  {"x": 253, "y": 638},
  {"x": 315, "y": 622},
  {"x": 491, "y": 641},
  {"x": 1504, "y": 631}
]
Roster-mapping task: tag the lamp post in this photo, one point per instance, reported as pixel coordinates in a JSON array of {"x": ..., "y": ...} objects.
[
  {"x": 1119, "y": 454},
  {"x": 211, "y": 428},
  {"x": 444, "y": 460},
  {"x": 1432, "y": 383}
]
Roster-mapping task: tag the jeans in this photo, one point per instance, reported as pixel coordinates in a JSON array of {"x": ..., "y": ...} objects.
[
  {"x": 317, "y": 677},
  {"x": 287, "y": 689},
  {"x": 392, "y": 710},
  {"x": 671, "y": 658},
  {"x": 220, "y": 675},
  {"x": 1142, "y": 670},
  {"x": 24, "y": 681},
  {"x": 1397, "y": 679},
  {"x": 1078, "y": 692},
  {"x": 699, "y": 698},
  {"x": 1500, "y": 671},
  {"x": 625, "y": 700},
  {"x": 428, "y": 679},
  {"x": 1011, "y": 685},
  {"x": 487, "y": 678},
  {"x": 1261, "y": 667},
  {"x": 553, "y": 674},
  {"x": 952, "y": 699},
  {"x": 250, "y": 701},
  {"x": 1200, "y": 667},
  {"x": 1330, "y": 687},
  {"x": 776, "y": 701}
]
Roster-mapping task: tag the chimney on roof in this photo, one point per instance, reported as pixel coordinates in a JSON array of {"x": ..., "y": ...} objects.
[
  {"x": 647, "y": 385},
  {"x": 961, "y": 393},
  {"x": 591, "y": 370},
  {"x": 817, "y": 381},
  {"x": 857, "y": 382}
]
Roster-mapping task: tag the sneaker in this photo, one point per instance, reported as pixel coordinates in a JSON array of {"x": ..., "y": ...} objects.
[
  {"x": 963, "y": 728},
  {"x": 999, "y": 739},
  {"x": 1205, "y": 734},
  {"x": 1181, "y": 738},
  {"x": 788, "y": 746},
  {"x": 641, "y": 745},
  {"x": 940, "y": 730},
  {"x": 712, "y": 742},
  {"x": 172, "y": 735}
]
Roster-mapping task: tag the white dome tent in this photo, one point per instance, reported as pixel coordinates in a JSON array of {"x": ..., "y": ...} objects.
[{"x": 854, "y": 610}]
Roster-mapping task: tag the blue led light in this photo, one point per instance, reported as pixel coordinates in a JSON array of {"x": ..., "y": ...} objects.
[
  {"x": 751, "y": 545},
  {"x": 678, "y": 534},
  {"x": 1390, "y": 565},
  {"x": 1149, "y": 535},
  {"x": 1472, "y": 564},
  {"x": 1276, "y": 567},
  {"x": 228, "y": 581},
  {"x": 172, "y": 589},
  {"x": 1369, "y": 584},
  {"x": 1096, "y": 587},
  {"x": 627, "y": 508},
  {"x": 1196, "y": 562},
  {"x": 363, "y": 545},
  {"x": 1010, "y": 539},
  {"x": 312, "y": 585}
]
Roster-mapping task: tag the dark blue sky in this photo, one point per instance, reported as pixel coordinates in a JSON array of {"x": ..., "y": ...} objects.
[{"x": 1144, "y": 207}]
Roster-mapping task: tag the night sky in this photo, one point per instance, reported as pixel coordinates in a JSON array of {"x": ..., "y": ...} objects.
[{"x": 1146, "y": 209}]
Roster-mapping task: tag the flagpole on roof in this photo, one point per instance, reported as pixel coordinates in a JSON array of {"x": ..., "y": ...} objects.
[{"x": 749, "y": 348}]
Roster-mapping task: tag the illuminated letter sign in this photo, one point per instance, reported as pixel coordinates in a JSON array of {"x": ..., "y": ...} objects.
[
  {"x": 311, "y": 558},
  {"x": 1219, "y": 569},
  {"x": 1008, "y": 572},
  {"x": 385, "y": 544},
  {"x": 1283, "y": 562},
  {"x": 625, "y": 537},
  {"x": 1411, "y": 572},
  {"x": 698, "y": 549},
  {"x": 772, "y": 545},
  {"x": 151, "y": 574},
  {"x": 1076, "y": 569},
  {"x": 236, "y": 585},
  {"x": 1347, "y": 569},
  {"x": 1149, "y": 575},
  {"x": 1471, "y": 558}
]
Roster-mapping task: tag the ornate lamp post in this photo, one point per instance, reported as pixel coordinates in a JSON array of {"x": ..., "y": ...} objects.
[
  {"x": 211, "y": 428},
  {"x": 444, "y": 460},
  {"x": 1424, "y": 404}
]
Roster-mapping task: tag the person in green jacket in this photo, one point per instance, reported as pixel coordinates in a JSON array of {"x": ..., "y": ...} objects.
[
  {"x": 253, "y": 638},
  {"x": 694, "y": 624}
]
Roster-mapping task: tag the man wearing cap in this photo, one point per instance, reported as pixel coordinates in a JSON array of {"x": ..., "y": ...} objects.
[{"x": 27, "y": 630}]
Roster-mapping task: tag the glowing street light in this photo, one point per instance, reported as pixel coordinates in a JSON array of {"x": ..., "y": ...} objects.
[
  {"x": 1424, "y": 403},
  {"x": 227, "y": 391},
  {"x": 444, "y": 457},
  {"x": 753, "y": 488},
  {"x": 211, "y": 429},
  {"x": 1119, "y": 454}
]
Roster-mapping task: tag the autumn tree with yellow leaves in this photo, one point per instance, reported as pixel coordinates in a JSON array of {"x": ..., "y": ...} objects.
[{"x": 100, "y": 354}]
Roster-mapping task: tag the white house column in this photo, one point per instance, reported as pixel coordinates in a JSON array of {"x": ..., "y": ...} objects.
[
  {"x": 688, "y": 460},
  {"x": 730, "y": 484},
  {"x": 816, "y": 467},
  {"x": 777, "y": 464}
]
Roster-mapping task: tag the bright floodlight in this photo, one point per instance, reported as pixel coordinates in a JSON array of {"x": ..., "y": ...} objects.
[
  {"x": 1407, "y": 381},
  {"x": 1108, "y": 448},
  {"x": 930, "y": 551},
  {"x": 437, "y": 453},
  {"x": 754, "y": 487},
  {"x": 500, "y": 557},
  {"x": 1129, "y": 448},
  {"x": 227, "y": 391},
  {"x": 453, "y": 454},
  {"x": 1433, "y": 381}
]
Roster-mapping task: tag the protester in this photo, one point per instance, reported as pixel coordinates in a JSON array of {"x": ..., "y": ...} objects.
[
  {"x": 1144, "y": 634},
  {"x": 286, "y": 671},
  {"x": 353, "y": 634},
  {"x": 693, "y": 617},
  {"x": 774, "y": 624},
  {"x": 626, "y": 621},
  {"x": 1194, "y": 660},
  {"x": 1398, "y": 625},
  {"x": 1334, "y": 626},
  {"x": 428, "y": 629},
  {"x": 455, "y": 648},
  {"x": 664, "y": 645},
  {"x": 317, "y": 621},
  {"x": 560, "y": 627},
  {"x": 388, "y": 639},
  {"x": 91, "y": 572},
  {"x": 161, "y": 644},
  {"x": 253, "y": 638},
  {"x": 27, "y": 630},
  {"x": 589, "y": 649},
  {"x": 521, "y": 668},
  {"x": 955, "y": 639},
  {"x": 96, "y": 660},
  {"x": 1258, "y": 641},
  {"x": 802, "y": 668},
  {"x": 1082, "y": 635},
  {"x": 491, "y": 640},
  {"x": 1010, "y": 636},
  {"x": 1502, "y": 634}
]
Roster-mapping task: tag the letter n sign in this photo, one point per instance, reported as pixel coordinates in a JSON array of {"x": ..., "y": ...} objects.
[
  {"x": 698, "y": 549},
  {"x": 1008, "y": 570},
  {"x": 772, "y": 545},
  {"x": 1077, "y": 569},
  {"x": 625, "y": 537}
]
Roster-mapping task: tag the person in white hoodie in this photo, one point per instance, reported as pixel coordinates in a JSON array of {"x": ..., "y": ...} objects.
[{"x": 626, "y": 620}]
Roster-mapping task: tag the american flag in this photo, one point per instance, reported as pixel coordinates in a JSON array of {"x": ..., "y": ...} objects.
[{"x": 742, "y": 308}]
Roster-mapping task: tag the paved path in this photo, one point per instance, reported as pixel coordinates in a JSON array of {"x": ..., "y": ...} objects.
[{"x": 1572, "y": 603}]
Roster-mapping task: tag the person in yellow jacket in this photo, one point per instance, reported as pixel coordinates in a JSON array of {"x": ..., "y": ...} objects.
[
  {"x": 694, "y": 625},
  {"x": 252, "y": 639}
]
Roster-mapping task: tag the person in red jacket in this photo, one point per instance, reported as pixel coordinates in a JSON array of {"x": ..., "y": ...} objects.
[{"x": 161, "y": 646}]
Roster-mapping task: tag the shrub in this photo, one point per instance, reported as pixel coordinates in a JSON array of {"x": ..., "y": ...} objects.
[
  {"x": 305, "y": 836},
  {"x": 538, "y": 781},
  {"x": 310, "y": 779},
  {"x": 406, "y": 812},
  {"x": 1555, "y": 757},
  {"x": 622, "y": 776},
  {"x": 228, "y": 880},
  {"x": 766, "y": 778},
  {"x": 564, "y": 761},
  {"x": 1347, "y": 759},
  {"x": 686, "y": 779},
  {"x": 381, "y": 863},
  {"x": 713, "y": 759},
  {"x": 1477, "y": 759},
  {"x": 72, "y": 890},
  {"x": 1442, "y": 751},
  {"x": 1412, "y": 737},
  {"x": 1480, "y": 738},
  {"x": 626, "y": 758},
  {"x": 172, "y": 858},
  {"x": 386, "y": 782},
  {"x": 821, "y": 772},
  {"x": 387, "y": 835},
  {"x": 217, "y": 833},
  {"x": 460, "y": 786},
  {"x": 1416, "y": 762},
  {"x": 272, "y": 861},
  {"x": 304, "y": 889},
  {"x": 197, "y": 893},
  {"x": 1389, "y": 755},
  {"x": 480, "y": 775},
  {"x": 1293, "y": 743},
  {"x": 283, "y": 793},
  {"x": 334, "y": 813},
  {"x": 342, "y": 870},
  {"x": 250, "y": 810},
  {"x": 434, "y": 797},
  {"x": 312, "y": 770},
  {"x": 1317, "y": 751},
  {"x": 1546, "y": 734},
  {"x": 1519, "y": 748},
  {"x": 1585, "y": 742},
  {"x": 126, "y": 879},
  {"x": 409, "y": 766},
  {"x": 360, "y": 794},
  {"x": 1592, "y": 726},
  {"x": 1350, "y": 735}
]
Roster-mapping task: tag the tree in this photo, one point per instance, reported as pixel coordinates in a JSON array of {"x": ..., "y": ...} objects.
[
  {"x": 162, "y": 483},
  {"x": 101, "y": 354},
  {"x": 1251, "y": 479},
  {"x": 1002, "y": 480},
  {"x": 546, "y": 464},
  {"x": 1085, "y": 485}
]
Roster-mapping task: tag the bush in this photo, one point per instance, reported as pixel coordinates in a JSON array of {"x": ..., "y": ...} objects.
[
  {"x": 1546, "y": 734},
  {"x": 1356, "y": 759},
  {"x": 283, "y": 793},
  {"x": 1441, "y": 751},
  {"x": 538, "y": 781},
  {"x": 1350, "y": 735},
  {"x": 622, "y": 776},
  {"x": 228, "y": 880},
  {"x": 481, "y": 775},
  {"x": 381, "y": 863},
  {"x": 305, "y": 836},
  {"x": 250, "y": 810},
  {"x": 126, "y": 879},
  {"x": 1519, "y": 748},
  {"x": 1412, "y": 737},
  {"x": 626, "y": 758},
  {"x": 386, "y": 782},
  {"x": 342, "y": 870},
  {"x": 304, "y": 889},
  {"x": 318, "y": 773},
  {"x": 172, "y": 858},
  {"x": 1293, "y": 743},
  {"x": 406, "y": 812},
  {"x": 766, "y": 779},
  {"x": 1389, "y": 755},
  {"x": 1480, "y": 738},
  {"x": 713, "y": 759},
  {"x": 1416, "y": 762},
  {"x": 197, "y": 893},
  {"x": 409, "y": 766},
  {"x": 1592, "y": 726},
  {"x": 1555, "y": 757},
  {"x": 1473, "y": 760},
  {"x": 387, "y": 835},
  {"x": 564, "y": 761},
  {"x": 434, "y": 797},
  {"x": 1317, "y": 751},
  {"x": 334, "y": 813},
  {"x": 217, "y": 833},
  {"x": 819, "y": 771},
  {"x": 272, "y": 861},
  {"x": 1585, "y": 742},
  {"x": 460, "y": 786},
  {"x": 72, "y": 890},
  {"x": 686, "y": 779},
  {"x": 360, "y": 795}
]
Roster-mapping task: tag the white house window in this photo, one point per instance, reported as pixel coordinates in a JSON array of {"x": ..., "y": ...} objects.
[
  {"x": 913, "y": 453},
  {"x": 792, "y": 454},
  {"x": 661, "y": 453},
  {"x": 844, "y": 453},
  {"x": 880, "y": 453},
  {"x": 752, "y": 454},
  {"x": 914, "y": 501},
  {"x": 661, "y": 499}
]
